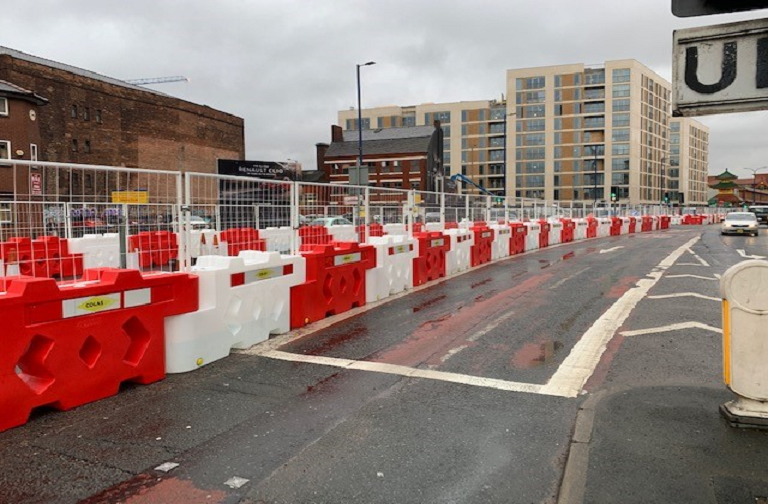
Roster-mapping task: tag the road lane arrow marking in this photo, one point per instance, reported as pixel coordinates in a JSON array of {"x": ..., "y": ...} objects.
[
  {"x": 702, "y": 261},
  {"x": 605, "y": 251},
  {"x": 672, "y": 327},
  {"x": 743, "y": 253}
]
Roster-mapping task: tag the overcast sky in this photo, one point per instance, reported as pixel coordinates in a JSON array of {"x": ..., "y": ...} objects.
[{"x": 288, "y": 66}]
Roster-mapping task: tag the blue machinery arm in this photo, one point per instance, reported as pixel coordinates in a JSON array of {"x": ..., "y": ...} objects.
[{"x": 460, "y": 177}]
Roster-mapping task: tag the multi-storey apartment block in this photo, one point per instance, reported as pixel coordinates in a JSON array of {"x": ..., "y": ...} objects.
[{"x": 567, "y": 133}]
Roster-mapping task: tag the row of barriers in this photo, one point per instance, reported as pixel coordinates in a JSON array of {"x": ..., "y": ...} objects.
[{"x": 86, "y": 312}]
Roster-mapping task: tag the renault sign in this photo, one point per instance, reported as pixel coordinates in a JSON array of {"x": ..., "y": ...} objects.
[{"x": 721, "y": 68}]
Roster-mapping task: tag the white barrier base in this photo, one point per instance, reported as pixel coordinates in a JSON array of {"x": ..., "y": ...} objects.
[
  {"x": 99, "y": 251},
  {"x": 277, "y": 239},
  {"x": 344, "y": 233},
  {"x": 580, "y": 231},
  {"x": 555, "y": 232},
  {"x": 603, "y": 227},
  {"x": 500, "y": 245},
  {"x": 233, "y": 317},
  {"x": 395, "y": 229},
  {"x": 394, "y": 267},
  {"x": 532, "y": 236},
  {"x": 459, "y": 258}
]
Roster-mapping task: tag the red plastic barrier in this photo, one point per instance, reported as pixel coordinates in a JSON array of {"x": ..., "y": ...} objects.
[
  {"x": 544, "y": 234},
  {"x": 646, "y": 223},
  {"x": 481, "y": 251},
  {"x": 517, "y": 239},
  {"x": 335, "y": 281},
  {"x": 67, "y": 346},
  {"x": 47, "y": 256},
  {"x": 568, "y": 231},
  {"x": 664, "y": 222},
  {"x": 615, "y": 229},
  {"x": 451, "y": 225},
  {"x": 430, "y": 264},
  {"x": 374, "y": 229},
  {"x": 632, "y": 224},
  {"x": 591, "y": 227},
  {"x": 418, "y": 227},
  {"x": 313, "y": 235},
  {"x": 689, "y": 219},
  {"x": 239, "y": 239},
  {"x": 154, "y": 248}
]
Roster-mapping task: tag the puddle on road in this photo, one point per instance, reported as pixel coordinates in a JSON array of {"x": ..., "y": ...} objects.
[
  {"x": 478, "y": 284},
  {"x": 323, "y": 345},
  {"x": 569, "y": 255},
  {"x": 428, "y": 303},
  {"x": 535, "y": 354}
]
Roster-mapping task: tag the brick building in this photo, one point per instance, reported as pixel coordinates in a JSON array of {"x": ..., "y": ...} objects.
[{"x": 98, "y": 120}]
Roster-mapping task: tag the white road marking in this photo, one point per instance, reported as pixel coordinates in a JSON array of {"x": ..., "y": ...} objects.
[
  {"x": 409, "y": 372},
  {"x": 476, "y": 336},
  {"x": 689, "y": 264},
  {"x": 743, "y": 253},
  {"x": 671, "y": 327},
  {"x": 576, "y": 369},
  {"x": 685, "y": 294},
  {"x": 702, "y": 261},
  {"x": 562, "y": 281},
  {"x": 605, "y": 251},
  {"x": 716, "y": 277}
]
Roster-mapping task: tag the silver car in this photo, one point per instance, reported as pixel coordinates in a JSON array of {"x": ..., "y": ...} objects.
[{"x": 739, "y": 223}]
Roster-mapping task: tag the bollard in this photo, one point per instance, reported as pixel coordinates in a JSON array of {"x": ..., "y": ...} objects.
[{"x": 745, "y": 350}]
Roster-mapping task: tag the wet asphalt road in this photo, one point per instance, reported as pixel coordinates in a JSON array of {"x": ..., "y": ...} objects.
[{"x": 304, "y": 432}]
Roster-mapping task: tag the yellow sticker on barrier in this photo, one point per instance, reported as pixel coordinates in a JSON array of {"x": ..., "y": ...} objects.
[
  {"x": 346, "y": 259},
  {"x": 263, "y": 274},
  {"x": 91, "y": 304},
  {"x": 400, "y": 249},
  {"x": 437, "y": 243}
]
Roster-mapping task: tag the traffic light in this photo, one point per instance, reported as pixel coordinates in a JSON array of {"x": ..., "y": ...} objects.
[
  {"x": 666, "y": 198},
  {"x": 614, "y": 194}
]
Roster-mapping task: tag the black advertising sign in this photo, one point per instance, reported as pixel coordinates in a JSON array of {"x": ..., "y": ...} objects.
[{"x": 258, "y": 169}]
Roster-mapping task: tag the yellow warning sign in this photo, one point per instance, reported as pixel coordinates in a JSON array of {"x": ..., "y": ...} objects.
[{"x": 130, "y": 197}]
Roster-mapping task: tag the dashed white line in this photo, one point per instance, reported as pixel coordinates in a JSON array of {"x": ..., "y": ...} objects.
[
  {"x": 671, "y": 327},
  {"x": 684, "y": 294},
  {"x": 409, "y": 372},
  {"x": 576, "y": 369}
]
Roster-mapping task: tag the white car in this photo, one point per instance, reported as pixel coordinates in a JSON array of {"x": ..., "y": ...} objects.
[
  {"x": 331, "y": 221},
  {"x": 739, "y": 223}
]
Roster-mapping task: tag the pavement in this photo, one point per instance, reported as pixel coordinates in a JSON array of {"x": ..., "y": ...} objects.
[{"x": 462, "y": 391}]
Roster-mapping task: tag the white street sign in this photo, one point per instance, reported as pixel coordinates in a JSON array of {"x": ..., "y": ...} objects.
[{"x": 721, "y": 68}]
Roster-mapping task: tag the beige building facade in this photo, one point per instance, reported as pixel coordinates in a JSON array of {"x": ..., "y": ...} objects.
[{"x": 567, "y": 133}]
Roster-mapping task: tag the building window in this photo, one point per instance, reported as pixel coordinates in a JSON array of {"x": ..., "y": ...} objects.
[
  {"x": 3, "y": 106},
  {"x": 33, "y": 152},
  {"x": 620, "y": 164},
  {"x": 5, "y": 213},
  {"x": 621, "y": 91},
  {"x": 620, "y": 120},
  {"x": 5, "y": 149},
  {"x": 87, "y": 146},
  {"x": 620, "y": 135},
  {"x": 621, "y": 105},
  {"x": 86, "y": 114},
  {"x": 98, "y": 116},
  {"x": 74, "y": 112},
  {"x": 621, "y": 74},
  {"x": 409, "y": 121},
  {"x": 74, "y": 145},
  {"x": 620, "y": 150}
]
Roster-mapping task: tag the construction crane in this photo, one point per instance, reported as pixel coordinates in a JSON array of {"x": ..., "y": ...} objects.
[
  {"x": 157, "y": 80},
  {"x": 465, "y": 180}
]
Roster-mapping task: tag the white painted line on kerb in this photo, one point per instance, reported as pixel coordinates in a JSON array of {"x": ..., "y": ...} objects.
[
  {"x": 408, "y": 372},
  {"x": 693, "y": 276},
  {"x": 702, "y": 261},
  {"x": 671, "y": 327},
  {"x": 576, "y": 369},
  {"x": 685, "y": 294}
]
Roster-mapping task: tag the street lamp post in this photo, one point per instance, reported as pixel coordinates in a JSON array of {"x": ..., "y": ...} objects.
[
  {"x": 663, "y": 180},
  {"x": 754, "y": 181},
  {"x": 594, "y": 204},
  {"x": 360, "y": 118}
]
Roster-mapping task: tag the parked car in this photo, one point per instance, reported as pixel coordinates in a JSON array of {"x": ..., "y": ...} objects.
[
  {"x": 739, "y": 223},
  {"x": 761, "y": 212},
  {"x": 331, "y": 221}
]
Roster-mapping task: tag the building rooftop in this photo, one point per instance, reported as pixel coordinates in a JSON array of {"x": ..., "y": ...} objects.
[
  {"x": 7, "y": 88},
  {"x": 383, "y": 141},
  {"x": 73, "y": 69}
]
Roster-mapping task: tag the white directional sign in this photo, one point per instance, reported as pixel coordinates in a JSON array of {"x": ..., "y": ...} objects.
[{"x": 721, "y": 68}]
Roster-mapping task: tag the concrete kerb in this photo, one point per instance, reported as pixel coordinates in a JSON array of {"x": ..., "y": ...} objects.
[{"x": 574, "y": 482}]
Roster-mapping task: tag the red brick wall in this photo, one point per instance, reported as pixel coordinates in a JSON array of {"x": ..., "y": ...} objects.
[
  {"x": 136, "y": 129},
  {"x": 18, "y": 128}
]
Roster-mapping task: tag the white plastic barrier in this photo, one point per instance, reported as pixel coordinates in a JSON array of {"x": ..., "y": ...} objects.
[
  {"x": 395, "y": 229},
  {"x": 676, "y": 220},
  {"x": 99, "y": 251},
  {"x": 394, "y": 267},
  {"x": 343, "y": 233},
  {"x": 625, "y": 221},
  {"x": 603, "y": 227},
  {"x": 203, "y": 242},
  {"x": 277, "y": 239},
  {"x": 501, "y": 237},
  {"x": 580, "y": 231},
  {"x": 532, "y": 236},
  {"x": 459, "y": 257},
  {"x": 433, "y": 226},
  {"x": 243, "y": 300},
  {"x": 555, "y": 232}
]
